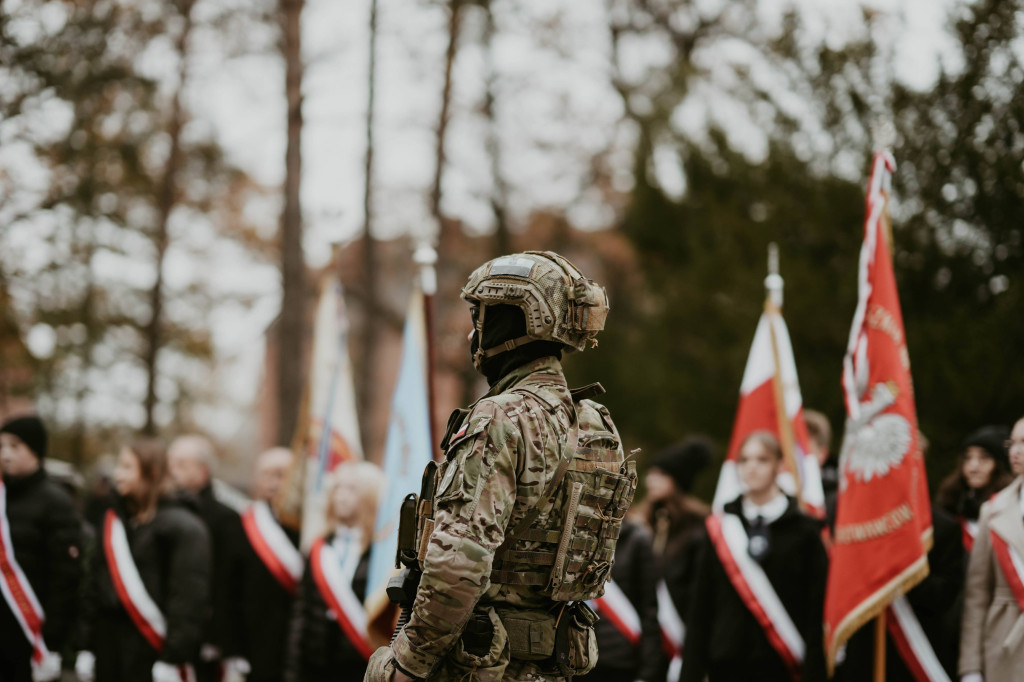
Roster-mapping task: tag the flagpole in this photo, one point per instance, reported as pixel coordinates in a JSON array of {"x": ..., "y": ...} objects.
[
  {"x": 425, "y": 257},
  {"x": 880, "y": 646},
  {"x": 773, "y": 306}
]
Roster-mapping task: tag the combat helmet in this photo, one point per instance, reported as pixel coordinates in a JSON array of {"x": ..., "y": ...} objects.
[{"x": 558, "y": 302}]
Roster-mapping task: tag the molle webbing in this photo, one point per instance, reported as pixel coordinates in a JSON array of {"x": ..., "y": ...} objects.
[{"x": 566, "y": 541}]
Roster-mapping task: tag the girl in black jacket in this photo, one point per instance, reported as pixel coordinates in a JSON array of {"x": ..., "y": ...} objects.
[
  {"x": 320, "y": 648},
  {"x": 170, "y": 549}
]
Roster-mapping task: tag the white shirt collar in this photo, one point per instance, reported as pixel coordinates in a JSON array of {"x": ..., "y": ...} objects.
[
  {"x": 769, "y": 511},
  {"x": 1022, "y": 499}
]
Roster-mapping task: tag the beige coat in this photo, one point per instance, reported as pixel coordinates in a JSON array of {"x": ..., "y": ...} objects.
[{"x": 992, "y": 639}]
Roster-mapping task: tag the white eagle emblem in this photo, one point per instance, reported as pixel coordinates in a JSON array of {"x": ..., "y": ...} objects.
[{"x": 875, "y": 443}]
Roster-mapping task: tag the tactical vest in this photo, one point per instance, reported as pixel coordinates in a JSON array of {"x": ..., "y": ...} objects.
[{"x": 565, "y": 544}]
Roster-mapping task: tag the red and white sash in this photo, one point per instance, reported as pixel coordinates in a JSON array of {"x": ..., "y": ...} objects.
[
  {"x": 17, "y": 590},
  {"x": 616, "y": 607},
  {"x": 272, "y": 545},
  {"x": 672, "y": 631},
  {"x": 913, "y": 645},
  {"x": 730, "y": 541},
  {"x": 968, "y": 531},
  {"x": 1012, "y": 565},
  {"x": 333, "y": 578},
  {"x": 131, "y": 591}
]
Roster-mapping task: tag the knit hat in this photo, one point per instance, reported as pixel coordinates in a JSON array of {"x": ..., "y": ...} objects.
[
  {"x": 683, "y": 461},
  {"x": 30, "y": 431},
  {"x": 991, "y": 439}
]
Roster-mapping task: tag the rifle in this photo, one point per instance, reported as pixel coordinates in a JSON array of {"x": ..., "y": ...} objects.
[{"x": 402, "y": 588}]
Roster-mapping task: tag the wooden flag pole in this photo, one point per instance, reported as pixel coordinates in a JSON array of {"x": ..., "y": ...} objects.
[
  {"x": 773, "y": 306},
  {"x": 426, "y": 257},
  {"x": 880, "y": 647}
]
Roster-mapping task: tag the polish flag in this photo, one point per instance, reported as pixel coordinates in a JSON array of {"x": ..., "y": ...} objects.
[
  {"x": 770, "y": 400},
  {"x": 883, "y": 526}
]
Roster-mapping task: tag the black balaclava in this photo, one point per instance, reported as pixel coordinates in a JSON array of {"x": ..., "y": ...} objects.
[{"x": 503, "y": 323}]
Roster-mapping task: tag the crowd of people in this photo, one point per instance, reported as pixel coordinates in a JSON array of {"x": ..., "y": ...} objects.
[
  {"x": 970, "y": 615},
  {"x": 160, "y": 580}
]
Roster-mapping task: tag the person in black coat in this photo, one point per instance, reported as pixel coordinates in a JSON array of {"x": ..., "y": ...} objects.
[
  {"x": 260, "y": 606},
  {"x": 676, "y": 517},
  {"x": 46, "y": 534},
  {"x": 319, "y": 648},
  {"x": 619, "y": 660},
  {"x": 937, "y": 601},
  {"x": 982, "y": 470},
  {"x": 190, "y": 461},
  {"x": 171, "y": 551},
  {"x": 724, "y": 642}
]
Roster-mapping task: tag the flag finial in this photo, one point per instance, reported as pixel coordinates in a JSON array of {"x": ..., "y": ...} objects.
[
  {"x": 773, "y": 282},
  {"x": 425, "y": 256}
]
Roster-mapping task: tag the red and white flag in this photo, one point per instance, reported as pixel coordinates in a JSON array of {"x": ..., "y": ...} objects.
[
  {"x": 730, "y": 541},
  {"x": 144, "y": 612},
  {"x": 332, "y": 572},
  {"x": 333, "y": 427},
  {"x": 620, "y": 612},
  {"x": 17, "y": 590},
  {"x": 770, "y": 400},
  {"x": 272, "y": 545},
  {"x": 883, "y": 519}
]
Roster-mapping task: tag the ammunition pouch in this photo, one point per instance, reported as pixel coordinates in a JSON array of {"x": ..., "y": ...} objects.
[{"x": 565, "y": 639}]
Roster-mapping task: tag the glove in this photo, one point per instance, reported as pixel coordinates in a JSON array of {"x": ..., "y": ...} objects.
[
  {"x": 166, "y": 672},
  {"x": 47, "y": 669},
  {"x": 381, "y": 666},
  {"x": 972, "y": 677},
  {"x": 85, "y": 666}
]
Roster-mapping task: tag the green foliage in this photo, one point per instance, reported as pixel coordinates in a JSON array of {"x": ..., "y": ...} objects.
[{"x": 674, "y": 353}]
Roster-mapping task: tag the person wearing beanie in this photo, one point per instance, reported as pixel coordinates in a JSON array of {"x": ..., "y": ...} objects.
[
  {"x": 675, "y": 517},
  {"x": 45, "y": 532},
  {"x": 982, "y": 471}
]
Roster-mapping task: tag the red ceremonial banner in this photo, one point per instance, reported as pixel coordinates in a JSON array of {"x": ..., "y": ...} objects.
[{"x": 883, "y": 517}]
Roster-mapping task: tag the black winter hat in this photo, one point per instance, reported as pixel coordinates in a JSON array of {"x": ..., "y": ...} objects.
[
  {"x": 684, "y": 461},
  {"x": 30, "y": 431},
  {"x": 991, "y": 439}
]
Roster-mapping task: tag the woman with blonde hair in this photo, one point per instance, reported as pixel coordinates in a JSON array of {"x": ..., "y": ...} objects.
[
  {"x": 329, "y": 629},
  {"x": 992, "y": 638},
  {"x": 146, "y": 603}
]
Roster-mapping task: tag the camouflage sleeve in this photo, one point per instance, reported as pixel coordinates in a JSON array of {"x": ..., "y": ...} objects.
[{"x": 473, "y": 505}]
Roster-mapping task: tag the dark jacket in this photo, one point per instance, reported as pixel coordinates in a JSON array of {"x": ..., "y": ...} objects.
[
  {"x": 172, "y": 554},
  {"x": 46, "y": 532},
  {"x": 937, "y": 602},
  {"x": 223, "y": 523},
  {"x": 634, "y": 573},
  {"x": 678, "y": 525},
  {"x": 260, "y": 609},
  {"x": 318, "y": 648},
  {"x": 724, "y": 641}
]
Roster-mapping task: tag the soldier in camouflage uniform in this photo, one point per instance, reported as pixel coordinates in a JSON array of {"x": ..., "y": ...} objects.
[{"x": 529, "y": 501}]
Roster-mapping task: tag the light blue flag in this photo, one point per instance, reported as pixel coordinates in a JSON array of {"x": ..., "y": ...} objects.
[{"x": 406, "y": 453}]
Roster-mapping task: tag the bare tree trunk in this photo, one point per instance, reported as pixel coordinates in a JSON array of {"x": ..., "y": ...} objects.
[
  {"x": 291, "y": 325},
  {"x": 499, "y": 194},
  {"x": 454, "y": 25},
  {"x": 371, "y": 312},
  {"x": 165, "y": 205}
]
